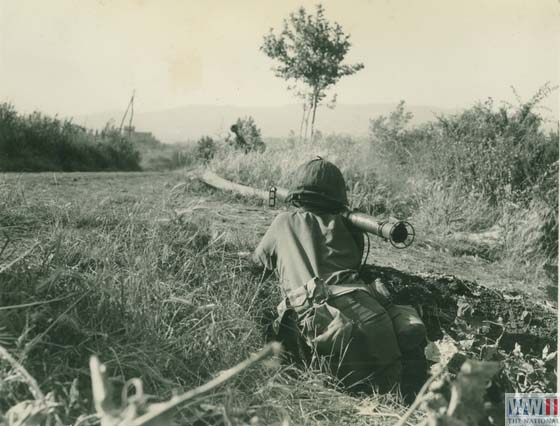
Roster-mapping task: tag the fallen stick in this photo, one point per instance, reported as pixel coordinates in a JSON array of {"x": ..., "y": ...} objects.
[
  {"x": 419, "y": 399},
  {"x": 110, "y": 416},
  {"x": 272, "y": 349},
  {"x": 29, "y": 379}
]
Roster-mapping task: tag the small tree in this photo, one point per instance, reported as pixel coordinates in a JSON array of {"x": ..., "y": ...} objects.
[{"x": 310, "y": 51}]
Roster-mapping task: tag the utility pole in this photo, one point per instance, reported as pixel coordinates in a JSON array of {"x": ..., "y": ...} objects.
[{"x": 130, "y": 107}]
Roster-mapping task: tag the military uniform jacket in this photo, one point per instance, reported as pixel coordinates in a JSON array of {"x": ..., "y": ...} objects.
[{"x": 302, "y": 245}]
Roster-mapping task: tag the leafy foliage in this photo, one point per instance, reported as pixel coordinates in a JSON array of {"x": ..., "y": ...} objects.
[
  {"x": 479, "y": 364},
  {"x": 310, "y": 50},
  {"x": 392, "y": 135},
  {"x": 39, "y": 143},
  {"x": 206, "y": 148},
  {"x": 500, "y": 156},
  {"x": 501, "y": 152}
]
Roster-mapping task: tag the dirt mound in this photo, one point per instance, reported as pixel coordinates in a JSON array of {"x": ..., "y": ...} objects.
[{"x": 456, "y": 307}]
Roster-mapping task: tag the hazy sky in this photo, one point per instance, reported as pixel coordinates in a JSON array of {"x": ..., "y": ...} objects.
[{"x": 80, "y": 56}]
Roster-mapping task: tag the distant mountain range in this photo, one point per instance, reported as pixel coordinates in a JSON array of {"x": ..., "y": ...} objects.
[{"x": 191, "y": 122}]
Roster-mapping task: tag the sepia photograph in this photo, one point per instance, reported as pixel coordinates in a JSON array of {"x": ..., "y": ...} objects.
[{"x": 265, "y": 212}]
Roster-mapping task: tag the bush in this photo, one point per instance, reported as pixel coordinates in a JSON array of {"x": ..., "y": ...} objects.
[
  {"x": 487, "y": 165},
  {"x": 40, "y": 143},
  {"x": 499, "y": 152},
  {"x": 206, "y": 148},
  {"x": 164, "y": 157}
]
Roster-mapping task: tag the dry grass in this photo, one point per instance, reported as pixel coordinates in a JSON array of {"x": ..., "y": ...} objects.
[
  {"x": 380, "y": 187},
  {"x": 169, "y": 301}
]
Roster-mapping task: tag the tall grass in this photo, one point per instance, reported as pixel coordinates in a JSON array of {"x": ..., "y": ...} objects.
[
  {"x": 172, "y": 300},
  {"x": 40, "y": 143},
  {"x": 163, "y": 297},
  {"x": 277, "y": 165},
  {"x": 142, "y": 297},
  {"x": 165, "y": 157}
]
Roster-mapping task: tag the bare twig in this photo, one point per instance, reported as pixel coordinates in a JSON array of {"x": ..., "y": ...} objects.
[
  {"x": 419, "y": 399},
  {"x": 33, "y": 385},
  {"x": 111, "y": 415},
  {"x": 272, "y": 349},
  {"x": 131, "y": 102},
  {"x": 7, "y": 266},
  {"x": 131, "y": 114}
]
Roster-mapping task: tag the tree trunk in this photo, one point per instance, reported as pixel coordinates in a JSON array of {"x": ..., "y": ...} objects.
[
  {"x": 307, "y": 123},
  {"x": 315, "y": 97},
  {"x": 302, "y": 121}
]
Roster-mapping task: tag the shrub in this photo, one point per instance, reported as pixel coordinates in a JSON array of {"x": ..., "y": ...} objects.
[
  {"x": 164, "y": 157},
  {"x": 498, "y": 152},
  {"x": 40, "y": 143},
  {"x": 206, "y": 148},
  {"x": 482, "y": 167},
  {"x": 390, "y": 135}
]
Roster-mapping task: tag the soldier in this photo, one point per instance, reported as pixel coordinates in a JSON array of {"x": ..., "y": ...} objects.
[
  {"x": 317, "y": 254},
  {"x": 239, "y": 141}
]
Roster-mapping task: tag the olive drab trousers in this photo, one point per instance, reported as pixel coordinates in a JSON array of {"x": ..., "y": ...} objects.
[
  {"x": 360, "y": 339},
  {"x": 372, "y": 356}
]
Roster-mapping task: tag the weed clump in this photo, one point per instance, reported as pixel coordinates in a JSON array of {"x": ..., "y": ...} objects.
[{"x": 164, "y": 300}]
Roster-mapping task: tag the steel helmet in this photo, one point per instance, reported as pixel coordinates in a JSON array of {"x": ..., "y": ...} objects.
[{"x": 318, "y": 179}]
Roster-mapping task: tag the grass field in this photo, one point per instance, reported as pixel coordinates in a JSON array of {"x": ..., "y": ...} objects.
[
  {"x": 114, "y": 271},
  {"x": 119, "y": 275}
]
